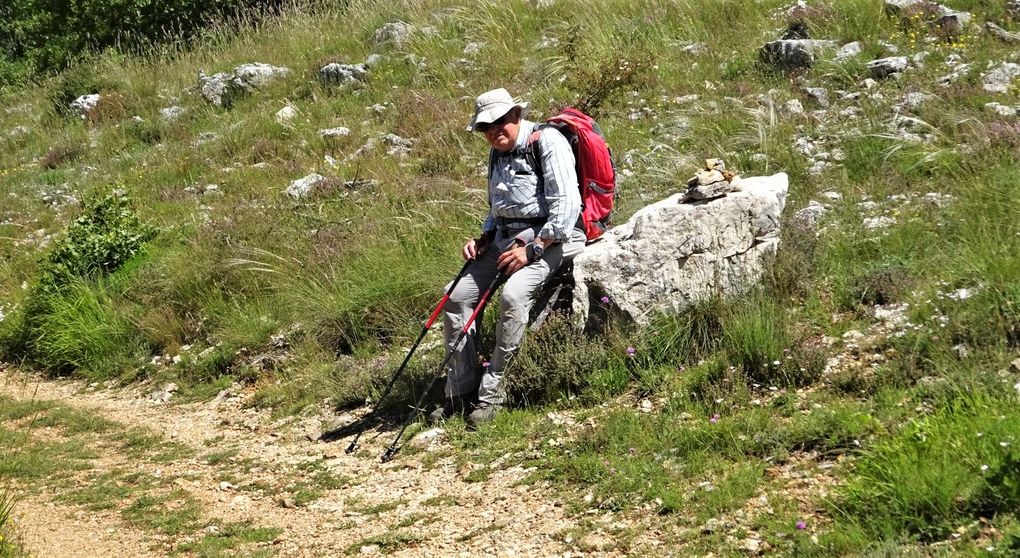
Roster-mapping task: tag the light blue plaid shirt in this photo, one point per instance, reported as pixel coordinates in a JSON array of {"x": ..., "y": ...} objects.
[{"x": 515, "y": 191}]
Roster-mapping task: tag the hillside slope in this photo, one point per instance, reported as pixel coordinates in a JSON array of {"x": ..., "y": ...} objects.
[{"x": 864, "y": 400}]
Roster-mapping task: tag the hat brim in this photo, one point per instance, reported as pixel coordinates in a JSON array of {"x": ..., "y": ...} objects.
[{"x": 491, "y": 115}]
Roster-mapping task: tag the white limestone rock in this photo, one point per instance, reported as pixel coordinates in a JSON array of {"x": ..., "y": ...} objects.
[
  {"x": 885, "y": 67},
  {"x": 1000, "y": 76},
  {"x": 303, "y": 186},
  {"x": 85, "y": 104},
  {"x": 670, "y": 255}
]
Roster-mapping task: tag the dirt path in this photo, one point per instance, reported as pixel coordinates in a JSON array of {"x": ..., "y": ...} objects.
[{"x": 241, "y": 468}]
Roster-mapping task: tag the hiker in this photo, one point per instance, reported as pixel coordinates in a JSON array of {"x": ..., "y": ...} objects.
[{"x": 533, "y": 227}]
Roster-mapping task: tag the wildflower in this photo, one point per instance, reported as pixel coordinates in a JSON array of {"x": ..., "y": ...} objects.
[
  {"x": 485, "y": 364},
  {"x": 984, "y": 468},
  {"x": 632, "y": 451},
  {"x": 714, "y": 419},
  {"x": 631, "y": 351},
  {"x": 604, "y": 300},
  {"x": 801, "y": 524}
]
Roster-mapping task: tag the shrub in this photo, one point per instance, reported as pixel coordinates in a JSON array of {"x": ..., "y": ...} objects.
[
  {"x": 67, "y": 322},
  {"x": 556, "y": 359},
  {"x": 47, "y": 36},
  {"x": 101, "y": 240},
  {"x": 883, "y": 285},
  {"x": 59, "y": 155}
]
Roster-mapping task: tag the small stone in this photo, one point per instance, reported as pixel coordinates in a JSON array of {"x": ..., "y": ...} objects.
[
  {"x": 85, "y": 104},
  {"x": 288, "y": 502},
  {"x": 645, "y": 405},
  {"x": 595, "y": 542},
  {"x": 752, "y": 545},
  {"x": 427, "y": 438},
  {"x": 954, "y": 22},
  {"x": 706, "y": 177},
  {"x": 819, "y": 95},
  {"x": 793, "y": 106},
  {"x": 914, "y": 99},
  {"x": 885, "y": 67},
  {"x": 961, "y": 351},
  {"x": 170, "y": 114},
  {"x": 303, "y": 186},
  {"x": 848, "y": 50},
  {"x": 810, "y": 215},
  {"x": 793, "y": 54},
  {"x": 999, "y": 78},
  {"x": 395, "y": 33},
  {"x": 875, "y": 223},
  {"x": 1000, "y": 109},
  {"x": 1002, "y": 34},
  {"x": 369, "y": 549},
  {"x": 286, "y": 114},
  {"x": 225, "y": 486},
  {"x": 715, "y": 164},
  {"x": 343, "y": 74},
  {"x": 1015, "y": 365}
]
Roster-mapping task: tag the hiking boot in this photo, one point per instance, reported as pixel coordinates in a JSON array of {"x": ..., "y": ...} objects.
[
  {"x": 483, "y": 413},
  {"x": 451, "y": 406}
]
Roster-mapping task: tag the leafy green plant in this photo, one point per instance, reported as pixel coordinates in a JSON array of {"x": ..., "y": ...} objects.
[{"x": 102, "y": 239}]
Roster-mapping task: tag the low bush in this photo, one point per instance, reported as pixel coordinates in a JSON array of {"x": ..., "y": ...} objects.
[
  {"x": 554, "y": 361},
  {"x": 103, "y": 238},
  {"x": 68, "y": 321}
]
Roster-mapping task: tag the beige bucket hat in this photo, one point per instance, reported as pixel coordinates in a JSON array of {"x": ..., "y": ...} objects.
[{"x": 491, "y": 105}]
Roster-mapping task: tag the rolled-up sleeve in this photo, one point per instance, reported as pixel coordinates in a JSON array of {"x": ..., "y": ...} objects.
[{"x": 560, "y": 183}]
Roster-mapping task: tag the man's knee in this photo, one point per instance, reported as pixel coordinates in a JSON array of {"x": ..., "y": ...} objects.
[{"x": 514, "y": 299}]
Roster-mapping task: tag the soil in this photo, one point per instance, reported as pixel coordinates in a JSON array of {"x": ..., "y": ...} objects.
[{"x": 421, "y": 496}]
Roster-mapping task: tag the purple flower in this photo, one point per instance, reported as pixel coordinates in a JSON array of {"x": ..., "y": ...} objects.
[
  {"x": 485, "y": 364},
  {"x": 631, "y": 351},
  {"x": 714, "y": 419},
  {"x": 632, "y": 451},
  {"x": 801, "y": 524},
  {"x": 605, "y": 300}
]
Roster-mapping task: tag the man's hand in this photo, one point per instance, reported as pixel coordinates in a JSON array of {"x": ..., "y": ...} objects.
[
  {"x": 513, "y": 259},
  {"x": 474, "y": 248}
]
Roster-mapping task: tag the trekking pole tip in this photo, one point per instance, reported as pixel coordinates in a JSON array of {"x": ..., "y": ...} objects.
[
  {"x": 390, "y": 452},
  {"x": 350, "y": 449}
]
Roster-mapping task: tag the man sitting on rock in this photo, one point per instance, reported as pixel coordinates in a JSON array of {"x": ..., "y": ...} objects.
[{"x": 533, "y": 227}]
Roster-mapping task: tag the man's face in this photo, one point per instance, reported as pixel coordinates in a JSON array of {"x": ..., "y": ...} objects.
[{"x": 502, "y": 134}]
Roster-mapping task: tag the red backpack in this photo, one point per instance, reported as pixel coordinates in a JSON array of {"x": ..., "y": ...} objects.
[{"x": 596, "y": 174}]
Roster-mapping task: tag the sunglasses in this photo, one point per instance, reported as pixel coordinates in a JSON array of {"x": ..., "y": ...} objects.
[{"x": 499, "y": 122}]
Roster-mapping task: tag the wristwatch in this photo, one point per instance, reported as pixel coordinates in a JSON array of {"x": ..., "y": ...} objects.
[{"x": 535, "y": 251}]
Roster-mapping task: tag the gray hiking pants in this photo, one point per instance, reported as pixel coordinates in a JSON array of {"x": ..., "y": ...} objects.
[{"x": 464, "y": 374}]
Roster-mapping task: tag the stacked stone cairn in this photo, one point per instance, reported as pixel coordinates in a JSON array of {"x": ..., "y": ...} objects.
[{"x": 712, "y": 181}]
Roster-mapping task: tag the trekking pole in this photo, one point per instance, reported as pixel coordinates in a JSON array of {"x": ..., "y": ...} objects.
[
  {"x": 392, "y": 450},
  {"x": 428, "y": 325}
]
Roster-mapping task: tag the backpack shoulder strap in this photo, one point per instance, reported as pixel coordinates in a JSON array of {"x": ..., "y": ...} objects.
[
  {"x": 492, "y": 161},
  {"x": 534, "y": 151}
]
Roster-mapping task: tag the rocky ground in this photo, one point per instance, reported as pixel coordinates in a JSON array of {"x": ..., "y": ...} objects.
[{"x": 411, "y": 506}]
